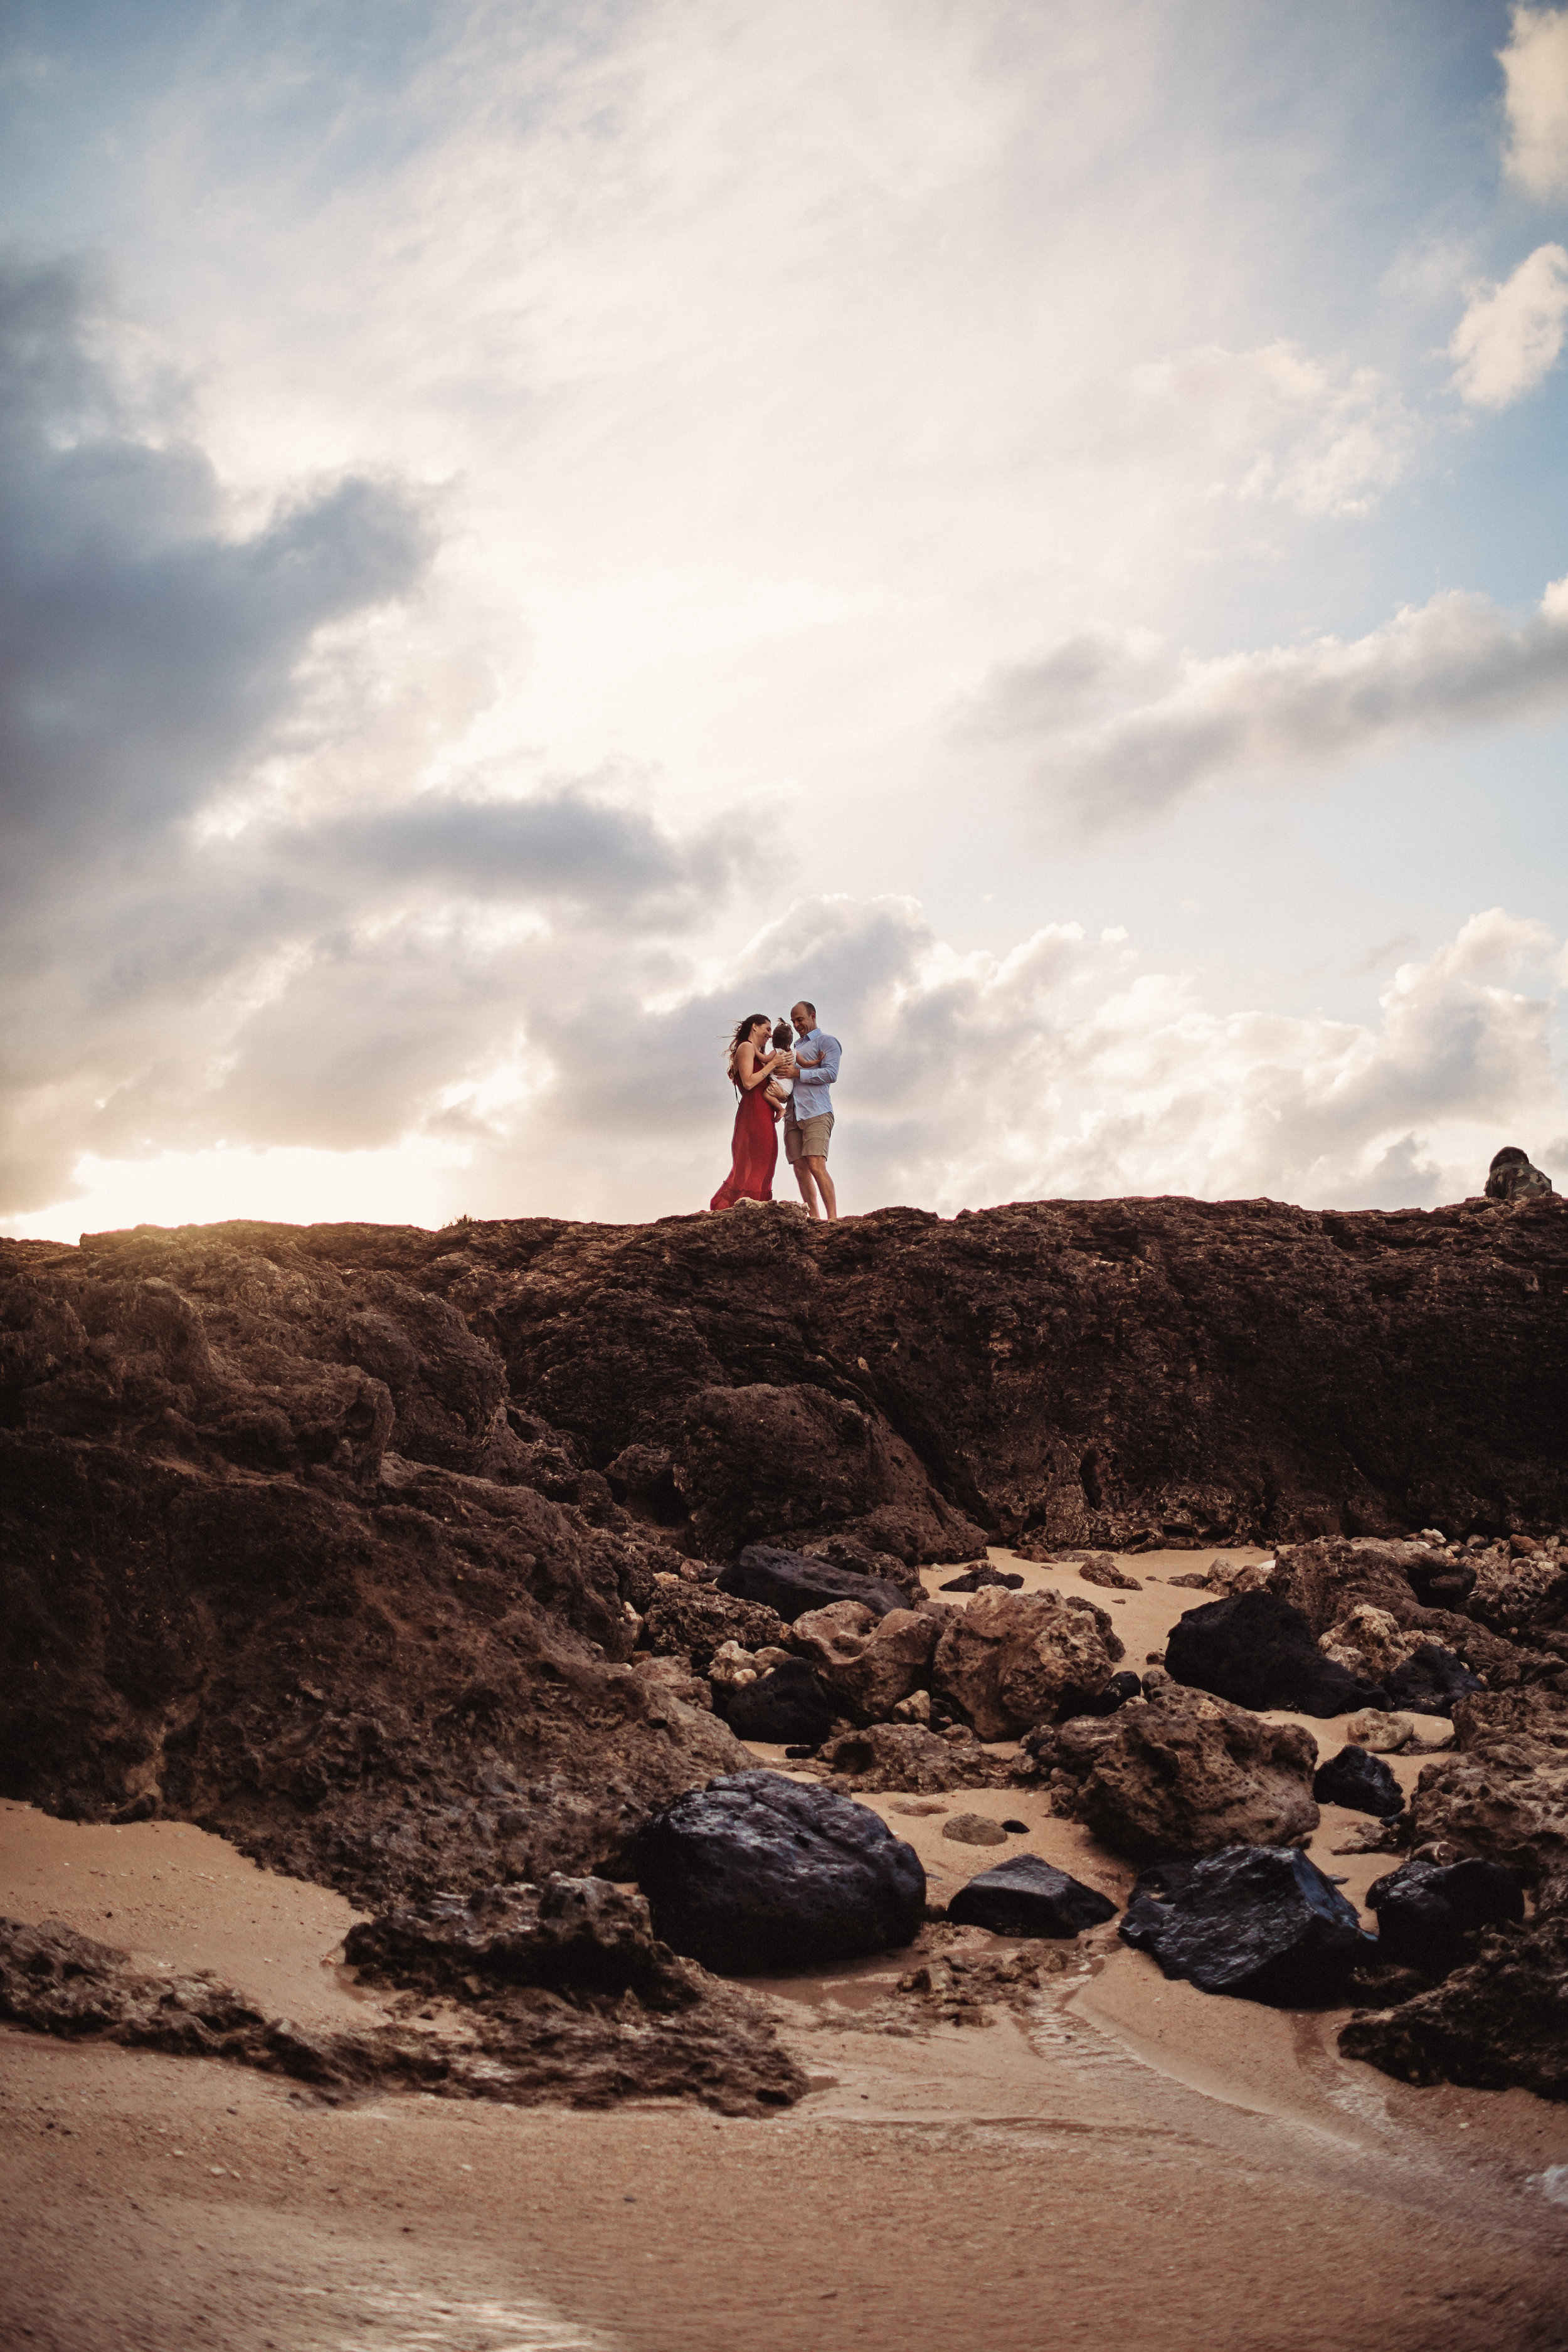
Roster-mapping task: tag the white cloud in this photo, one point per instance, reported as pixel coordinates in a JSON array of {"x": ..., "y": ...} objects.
[
  {"x": 1056, "y": 1069},
  {"x": 1295, "y": 432},
  {"x": 1509, "y": 337},
  {"x": 1452, "y": 663},
  {"x": 1535, "y": 97}
]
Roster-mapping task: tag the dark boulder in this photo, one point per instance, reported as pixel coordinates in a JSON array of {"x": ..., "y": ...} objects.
[
  {"x": 1429, "y": 1681},
  {"x": 1363, "y": 1783},
  {"x": 1026, "y": 1896},
  {"x": 1501, "y": 2021},
  {"x": 755, "y": 1873},
  {"x": 1117, "y": 1692},
  {"x": 1428, "y": 1913},
  {"x": 1257, "y": 1650},
  {"x": 791, "y": 1707},
  {"x": 793, "y": 1584},
  {"x": 974, "y": 1579},
  {"x": 1260, "y": 1922}
]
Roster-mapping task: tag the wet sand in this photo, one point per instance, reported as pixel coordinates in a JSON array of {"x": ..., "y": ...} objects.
[{"x": 1124, "y": 2160}]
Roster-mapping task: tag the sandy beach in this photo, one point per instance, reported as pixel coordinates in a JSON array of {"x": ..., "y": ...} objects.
[{"x": 1114, "y": 2155}]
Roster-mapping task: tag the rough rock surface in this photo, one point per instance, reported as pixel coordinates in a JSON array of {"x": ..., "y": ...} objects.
[
  {"x": 1360, "y": 1781},
  {"x": 697, "y": 1620},
  {"x": 1012, "y": 1660},
  {"x": 975, "y": 1829},
  {"x": 870, "y": 1664},
  {"x": 1101, "y": 1569},
  {"x": 570, "y": 1932},
  {"x": 797, "y": 1584},
  {"x": 1026, "y": 1896},
  {"x": 1091, "y": 1373},
  {"x": 1369, "y": 1642},
  {"x": 907, "y": 1756},
  {"x": 1260, "y": 1922},
  {"x": 1181, "y": 1774},
  {"x": 230, "y": 1591},
  {"x": 790, "y": 1706},
  {"x": 678, "y": 2032},
  {"x": 1505, "y": 1799},
  {"x": 755, "y": 1873},
  {"x": 1497, "y": 2023},
  {"x": 1257, "y": 1651},
  {"x": 1430, "y": 1680},
  {"x": 1512, "y": 1595},
  {"x": 1428, "y": 1913}
]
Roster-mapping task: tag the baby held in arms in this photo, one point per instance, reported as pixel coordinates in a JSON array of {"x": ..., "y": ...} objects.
[{"x": 779, "y": 1089}]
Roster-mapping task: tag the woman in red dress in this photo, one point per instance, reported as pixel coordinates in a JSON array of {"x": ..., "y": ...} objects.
[{"x": 756, "y": 1144}]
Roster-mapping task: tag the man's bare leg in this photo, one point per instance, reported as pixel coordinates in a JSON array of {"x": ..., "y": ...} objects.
[
  {"x": 807, "y": 1182},
  {"x": 824, "y": 1182}
]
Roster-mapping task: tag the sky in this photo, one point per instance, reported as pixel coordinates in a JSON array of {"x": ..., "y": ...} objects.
[{"x": 530, "y": 532}]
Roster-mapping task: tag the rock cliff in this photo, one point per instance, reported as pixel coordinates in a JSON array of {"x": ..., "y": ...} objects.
[{"x": 336, "y": 1539}]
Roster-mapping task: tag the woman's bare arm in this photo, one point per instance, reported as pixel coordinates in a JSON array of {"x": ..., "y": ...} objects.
[{"x": 749, "y": 1072}]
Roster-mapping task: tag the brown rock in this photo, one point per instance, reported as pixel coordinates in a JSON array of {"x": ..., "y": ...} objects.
[
  {"x": 1101, "y": 1569},
  {"x": 1505, "y": 1799},
  {"x": 697, "y": 1620},
  {"x": 1183, "y": 1774},
  {"x": 521, "y": 2041},
  {"x": 1511, "y": 1594},
  {"x": 906, "y": 1755},
  {"x": 1012, "y": 1660},
  {"x": 975, "y": 1829},
  {"x": 871, "y": 1664}
]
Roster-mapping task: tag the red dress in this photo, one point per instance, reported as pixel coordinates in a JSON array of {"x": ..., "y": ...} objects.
[{"x": 755, "y": 1153}]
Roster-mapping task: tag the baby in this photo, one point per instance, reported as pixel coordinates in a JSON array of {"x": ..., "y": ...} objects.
[{"x": 779, "y": 1089}]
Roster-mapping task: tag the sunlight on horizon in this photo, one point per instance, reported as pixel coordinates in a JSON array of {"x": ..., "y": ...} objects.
[{"x": 408, "y": 1183}]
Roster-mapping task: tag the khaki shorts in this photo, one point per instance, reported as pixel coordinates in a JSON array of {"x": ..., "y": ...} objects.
[{"x": 807, "y": 1139}]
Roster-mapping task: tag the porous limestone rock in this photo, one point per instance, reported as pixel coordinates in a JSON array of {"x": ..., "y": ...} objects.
[
  {"x": 1182, "y": 1773},
  {"x": 1505, "y": 1799},
  {"x": 1368, "y": 1641},
  {"x": 975, "y": 1829},
  {"x": 871, "y": 1664},
  {"x": 1012, "y": 1660},
  {"x": 909, "y": 1756}
]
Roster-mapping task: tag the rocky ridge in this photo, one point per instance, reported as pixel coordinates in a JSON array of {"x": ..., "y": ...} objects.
[{"x": 402, "y": 1559}]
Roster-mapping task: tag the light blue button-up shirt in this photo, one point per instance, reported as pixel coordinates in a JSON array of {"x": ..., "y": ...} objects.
[{"x": 810, "y": 1086}]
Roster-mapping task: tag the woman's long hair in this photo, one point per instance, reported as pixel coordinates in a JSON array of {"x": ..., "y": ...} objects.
[{"x": 742, "y": 1031}]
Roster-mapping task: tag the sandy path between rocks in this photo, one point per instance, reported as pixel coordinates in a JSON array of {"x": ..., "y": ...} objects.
[{"x": 1127, "y": 2160}]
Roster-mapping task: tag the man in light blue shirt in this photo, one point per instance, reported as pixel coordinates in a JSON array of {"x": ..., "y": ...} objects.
[{"x": 808, "y": 1117}]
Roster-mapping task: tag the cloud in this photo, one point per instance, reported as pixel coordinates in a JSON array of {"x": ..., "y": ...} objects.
[
  {"x": 1535, "y": 99},
  {"x": 1455, "y": 662},
  {"x": 150, "y": 644},
  {"x": 1509, "y": 337},
  {"x": 238, "y": 907},
  {"x": 1056, "y": 1069},
  {"x": 1298, "y": 433}
]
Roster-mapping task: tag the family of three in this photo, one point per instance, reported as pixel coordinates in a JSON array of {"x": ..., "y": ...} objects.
[{"x": 772, "y": 1077}]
